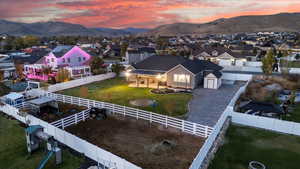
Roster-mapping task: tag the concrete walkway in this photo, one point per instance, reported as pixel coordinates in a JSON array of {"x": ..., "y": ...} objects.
[{"x": 207, "y": 105}]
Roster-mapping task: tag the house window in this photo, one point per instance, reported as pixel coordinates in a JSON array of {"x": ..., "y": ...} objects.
[
  {"x": 79, "y": 59},
  {"x": 83, "y": 58},
  {"x": 69, "y": 60},
  {"x": 64, "y": 60},
  {"x": 48, "y": 61},
  {"x": 182, "y": 78},
  {"x": 52, "y": 59}
]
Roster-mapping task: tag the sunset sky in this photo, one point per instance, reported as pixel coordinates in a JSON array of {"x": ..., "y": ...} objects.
[{"x": 138, "y": 13}]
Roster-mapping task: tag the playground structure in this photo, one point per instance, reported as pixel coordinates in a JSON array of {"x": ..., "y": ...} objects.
[{"x": 34, "y": 136}]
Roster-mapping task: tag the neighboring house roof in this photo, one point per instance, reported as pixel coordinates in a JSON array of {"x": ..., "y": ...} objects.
[
  {"x": 263, "y": 107},
  {"x": 33, "y": 58},
  {"x": 60, "y": 51},
  {"x": 196, "y": 66},
  {"x": 167, "y": 62}
]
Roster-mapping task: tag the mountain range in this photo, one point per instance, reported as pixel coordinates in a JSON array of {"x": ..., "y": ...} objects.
[
  {"x": 282, "y": 22},
  {"x": 61, "y": 28}
]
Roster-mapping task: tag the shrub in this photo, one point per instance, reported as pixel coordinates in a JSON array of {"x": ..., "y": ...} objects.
[{"x": 63, "y": 75}]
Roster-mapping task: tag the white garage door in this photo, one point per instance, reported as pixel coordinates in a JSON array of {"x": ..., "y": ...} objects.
[{"x": 210, "y": 83}]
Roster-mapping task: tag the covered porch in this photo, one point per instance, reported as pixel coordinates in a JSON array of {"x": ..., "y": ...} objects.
[{"x": 146, "y": 79}]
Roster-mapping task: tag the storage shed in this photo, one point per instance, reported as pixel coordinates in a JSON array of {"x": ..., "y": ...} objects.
[{"x": 212, "y": 80}]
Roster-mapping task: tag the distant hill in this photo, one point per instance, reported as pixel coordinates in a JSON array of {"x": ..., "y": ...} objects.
[
  {"x": 61, "y": 28},
  {"x": 282, "y": 22}
]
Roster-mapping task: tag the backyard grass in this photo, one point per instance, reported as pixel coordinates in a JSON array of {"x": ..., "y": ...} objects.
[
  {"x": 117, "y": 91},
  {"x": 13, "y": 150},
  {"x": 295, "y": 115},
  {"x": 244, "y": 144}
]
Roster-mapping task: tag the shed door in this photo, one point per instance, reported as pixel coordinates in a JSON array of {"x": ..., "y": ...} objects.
[{"x": 210, "y": 83}]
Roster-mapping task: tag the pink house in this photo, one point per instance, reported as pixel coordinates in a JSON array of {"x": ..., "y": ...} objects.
[{"x": 72, "y": 58}]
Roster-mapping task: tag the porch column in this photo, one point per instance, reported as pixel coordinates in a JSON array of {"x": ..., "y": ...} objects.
[{"x": 137, "y": 81}]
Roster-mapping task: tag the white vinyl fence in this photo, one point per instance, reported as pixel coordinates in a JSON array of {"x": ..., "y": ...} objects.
[
  {"x": 80, "y": 82},
  {"x": 236, "y": 76},
  {"x": 100, "y": 155},
  {"x": 72, "y": 119},
  {"x": 205, "y": 149},
  {"x": 277, "y": 125},
  {"x": 167, "y": 121}
]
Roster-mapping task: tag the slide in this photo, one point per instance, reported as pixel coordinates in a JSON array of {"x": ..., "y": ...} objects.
[{"x": 45, "y": 160}]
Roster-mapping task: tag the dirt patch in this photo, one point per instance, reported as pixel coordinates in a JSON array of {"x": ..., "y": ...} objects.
[
  {"x": 148, "y": 146},
  {"x": 65, "y": 110}
]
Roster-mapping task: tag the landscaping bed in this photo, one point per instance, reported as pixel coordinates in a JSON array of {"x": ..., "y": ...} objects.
[
  {"x": 148, "y": 146},
  {"x": 117, "y": 91},
  {"x": 13, "y": 150},
  {"x": 280, "y": 95},
  {"x": 65, "y": 110},
  {"x": 245, "y": 144}
]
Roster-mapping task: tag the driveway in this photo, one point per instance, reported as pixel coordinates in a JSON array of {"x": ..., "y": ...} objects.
[{"x": 207, "y": 105}]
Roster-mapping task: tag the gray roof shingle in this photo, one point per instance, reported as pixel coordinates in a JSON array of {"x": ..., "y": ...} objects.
[{"x": 167, "y": 62}]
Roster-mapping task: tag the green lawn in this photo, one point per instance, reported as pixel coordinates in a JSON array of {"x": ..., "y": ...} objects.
[
  {"x": 117, "y": 91},
  {"x": 13, "y": 150},
  {"x": 295, "y": 115},
  {"x": 244, "y": 144}
]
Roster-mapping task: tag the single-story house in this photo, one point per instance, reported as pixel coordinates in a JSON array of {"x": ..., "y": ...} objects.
[{"x": 170, "y": 72}]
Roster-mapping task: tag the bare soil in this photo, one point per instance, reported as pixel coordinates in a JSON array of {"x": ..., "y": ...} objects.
[
  {"x": 148, "y": 146},
  {"x": 65, "y": 110}
]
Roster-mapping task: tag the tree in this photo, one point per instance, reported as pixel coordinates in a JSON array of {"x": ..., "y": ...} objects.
[
  {"x": 268, "y": 62},
  {"x": 117, "y": 68},
  {"x": 19, "y": 70},
  {"x": 124, "y": 47},
  {"x": 30, "y": 41},
  {"x": 47, "y": 70},
  {"x": 63, "y": 75},
  {"x": 96, "y": 65}
]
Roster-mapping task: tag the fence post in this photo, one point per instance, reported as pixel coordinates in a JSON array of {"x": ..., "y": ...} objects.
[
  {"x": 206, "y": 131},
  {"x": 182, "y": 125},
  {"x": 124, "y": 113},
  {"x": 76, "y": 118},
  {"x": 64, "y": 99},
  {"x": 150, "y": 117},
  {"x": 113, "y": 109},
  {"x": 62, "y": 124},
  {"x": 194, "y": 128},
  {"x": 137, "y": 114},
  {"x": 166, "y": 121},
  {"x": 83, "y": 117}
]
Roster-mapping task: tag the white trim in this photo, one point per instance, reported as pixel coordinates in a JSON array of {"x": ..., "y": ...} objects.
[{"x": 181, "y": 66}]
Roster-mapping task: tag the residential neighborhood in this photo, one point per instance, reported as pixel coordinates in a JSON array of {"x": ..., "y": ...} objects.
[{"x": 168, "y": 93}]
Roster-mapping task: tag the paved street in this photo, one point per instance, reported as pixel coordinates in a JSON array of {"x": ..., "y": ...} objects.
[{"x": 207, "y": 105}]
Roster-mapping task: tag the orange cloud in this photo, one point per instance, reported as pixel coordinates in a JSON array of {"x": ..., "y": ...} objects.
[{"x": 138, "y": 13}]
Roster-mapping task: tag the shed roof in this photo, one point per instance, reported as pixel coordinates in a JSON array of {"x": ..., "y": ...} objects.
[{"x": 14, "y": 96}]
